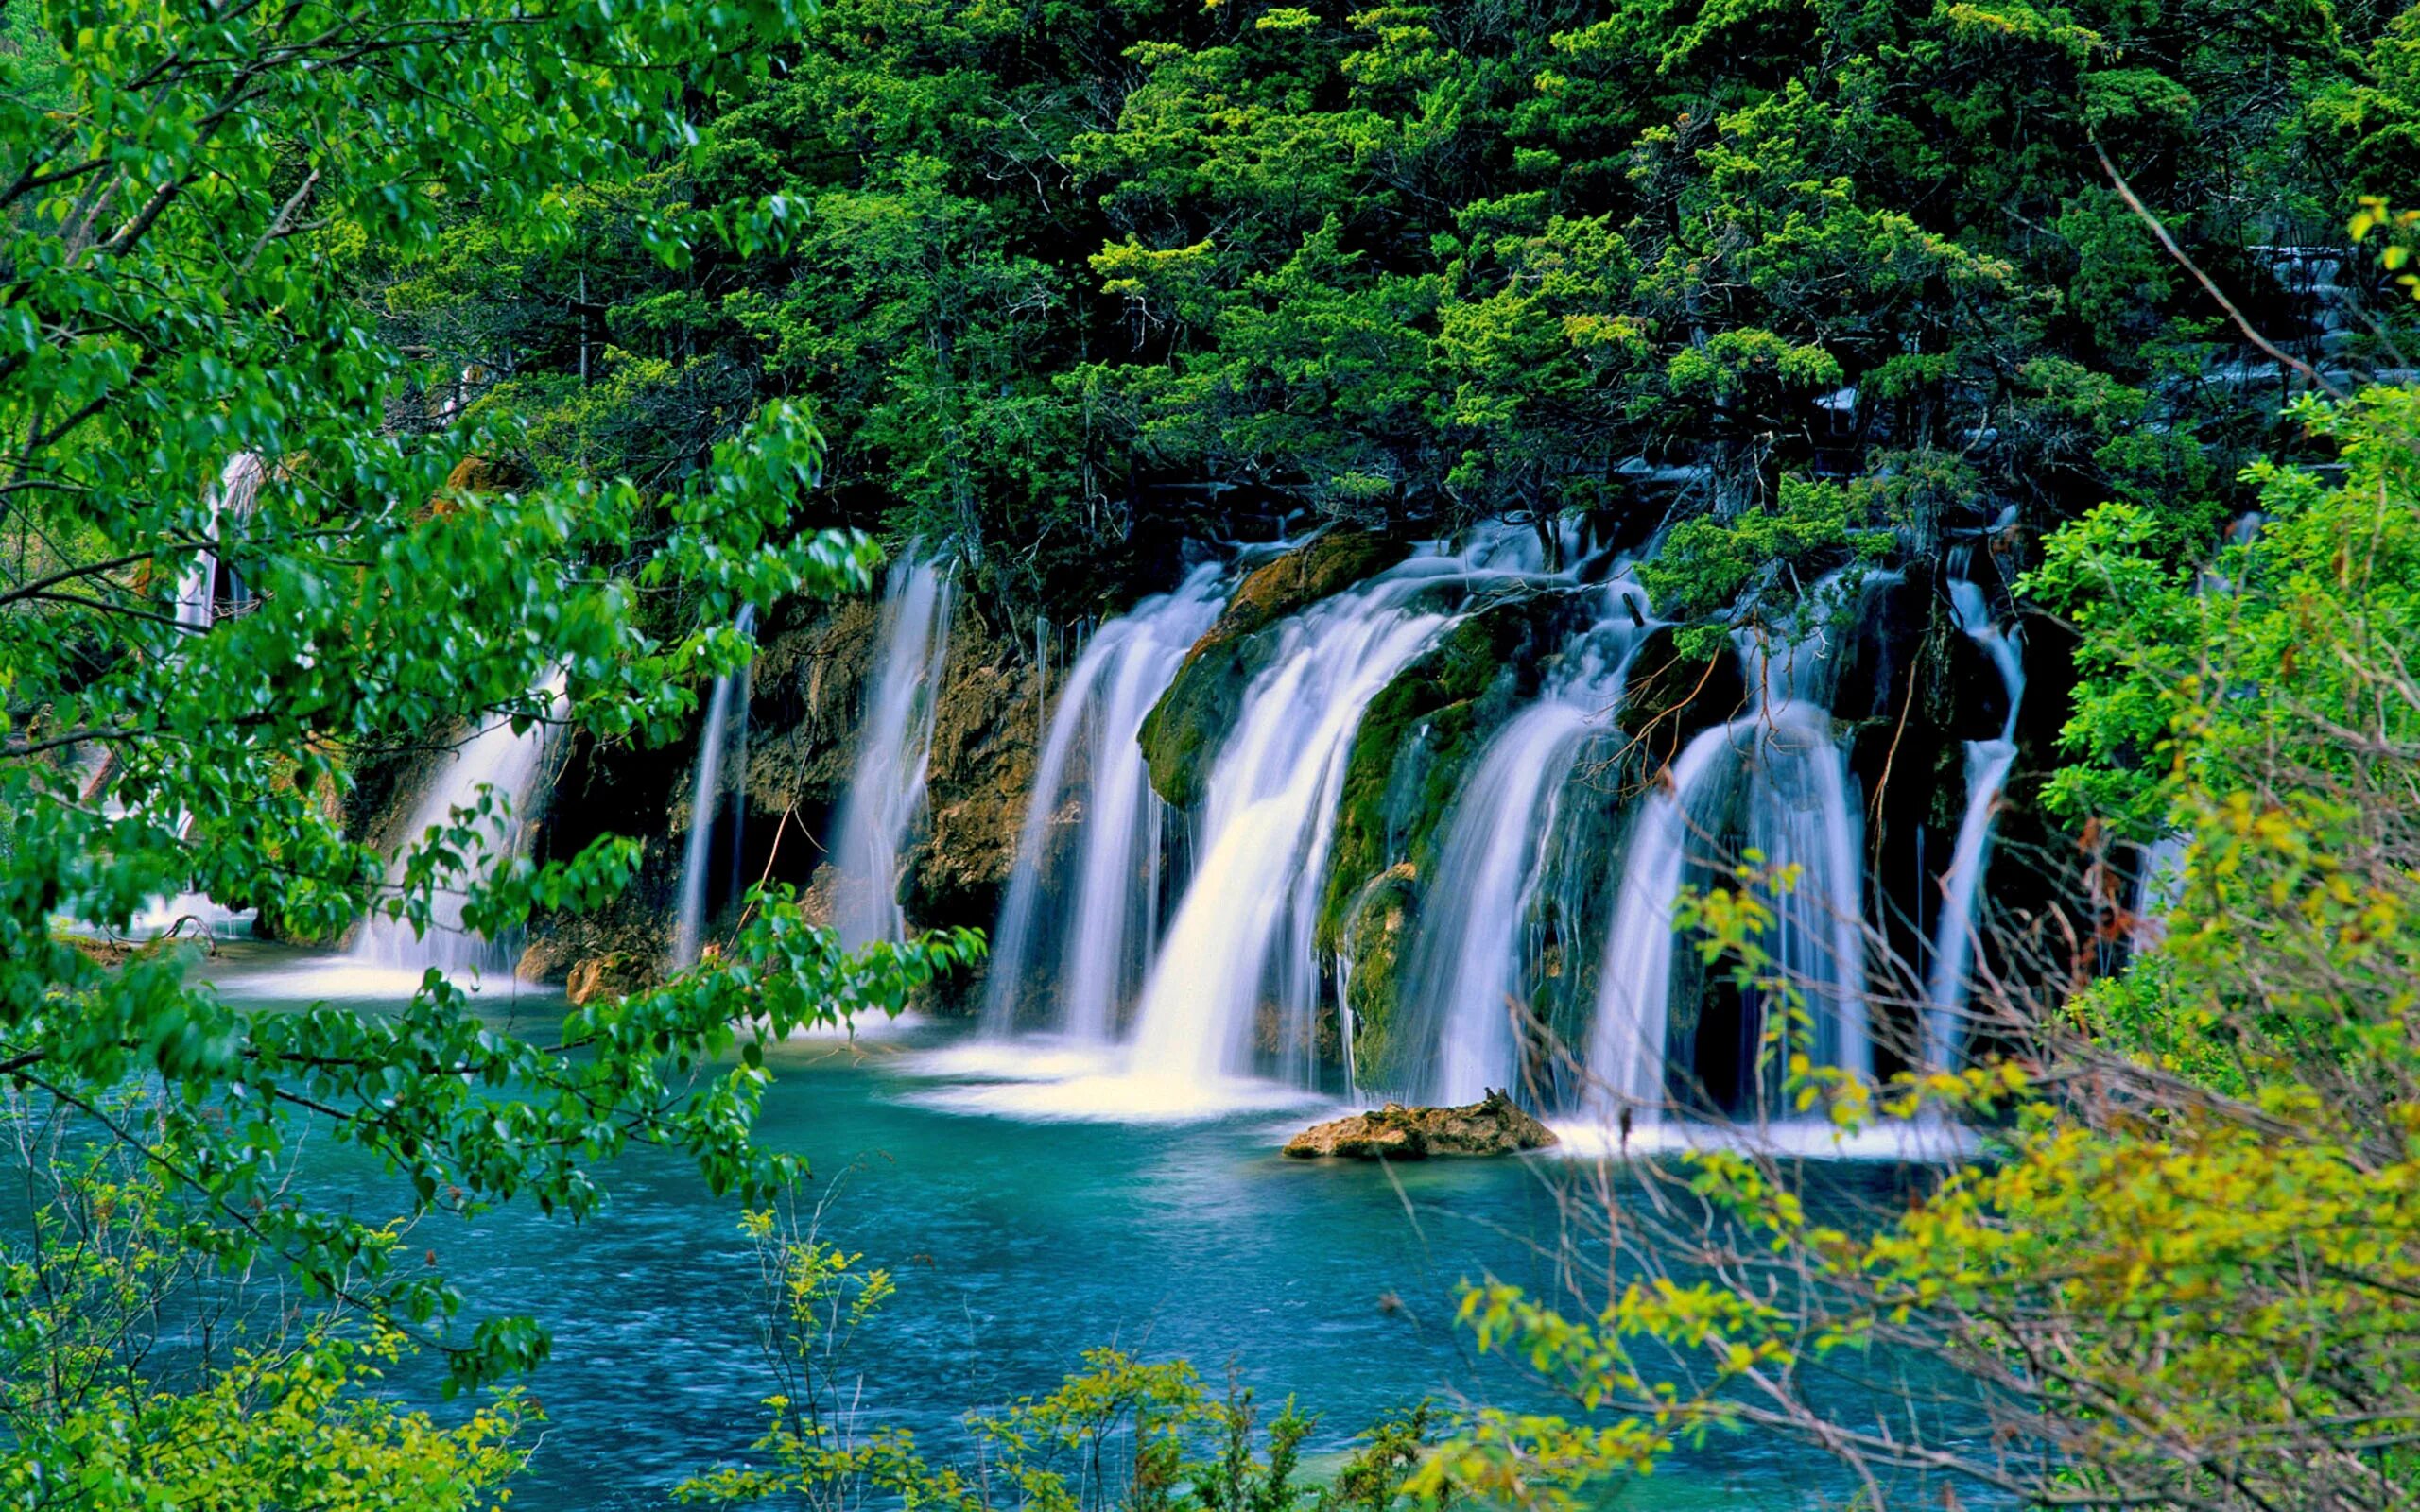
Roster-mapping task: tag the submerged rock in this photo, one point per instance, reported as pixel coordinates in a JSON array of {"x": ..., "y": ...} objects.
[{"x": 1491, "y": 1126}]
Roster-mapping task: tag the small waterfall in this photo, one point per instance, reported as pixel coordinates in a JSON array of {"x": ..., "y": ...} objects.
[
  {"x": 1987, "y": 768},
  {"x": 1098, "y": 934},
  {"x": 1783, "y": 767},
  {"x": 1473, "y": 961},
  {"x": 886, "y": 795},
  {"x": 495, "y": 766},
  {"x": 690, "y": 921},
  {"x": 1634, "y": 987},
  {"x": 1242, "y": 936},
  {"x": 235, "y": 496}
]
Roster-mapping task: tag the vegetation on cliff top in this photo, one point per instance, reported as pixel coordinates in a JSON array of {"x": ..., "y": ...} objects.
[{"x": 1071, "y": 281}]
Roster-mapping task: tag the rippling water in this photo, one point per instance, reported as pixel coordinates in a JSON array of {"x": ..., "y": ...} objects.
[{"x": 1017, "y": 1242}]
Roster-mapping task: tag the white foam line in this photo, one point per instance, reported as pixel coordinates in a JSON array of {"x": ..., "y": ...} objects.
[
  {"x": 1927, "y": 1142},
  {"x": 1134, "y": 1098}
]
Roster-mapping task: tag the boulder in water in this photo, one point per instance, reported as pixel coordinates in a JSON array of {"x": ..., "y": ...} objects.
[
  {"x": 615, "y": 975},
  {"x": 1490, "y": 1126}
]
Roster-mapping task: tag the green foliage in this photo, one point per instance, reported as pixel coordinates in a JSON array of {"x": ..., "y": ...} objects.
[
  {"x": 97, "y": 1418},
  {"x": 1707, "y": 562},
  {"x": 2170, "y": 648},
  {"x": 1075, "y": 278},
  {"x": 1123, "y": 1433},
  {"x": 195, "y": 203}
]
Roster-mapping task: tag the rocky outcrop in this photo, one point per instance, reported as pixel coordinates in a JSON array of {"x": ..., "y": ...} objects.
[
  {"x": 1184, "y": 730},
  {"x": 1421, "y": 733},
  {"x": 1394, "y": 1132},
  {"x": 616, "y": 975},
  {"x": 807, "y": 689}
]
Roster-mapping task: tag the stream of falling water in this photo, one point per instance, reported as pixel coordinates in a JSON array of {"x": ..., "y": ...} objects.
[
  {"x": 1987, "y": 768},
  {"x": 1783, "y": 769},
  {"x": 1091, "y": 940},
  {"x": 886, "y": 795},
  {"x": 689, "y": 918},
  {"x": 1474, "y": 962},
  {"x": 493, "y": 777}
]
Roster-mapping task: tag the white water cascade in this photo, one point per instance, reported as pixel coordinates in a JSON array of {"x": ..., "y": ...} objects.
[
  {"x": 494, "y": 774},
  {"x": 235, "y": 496},
  {"x": 689, "y": 919},
  {"x": 1783, "y": 767},
  {"x": 1987, "y": 768},
  {"x": 1243, "y": 933},
  {"x": 1473, "y": 962},
  {"x": 885, "y": 794},
  {"x": 1095, "y": 938}
]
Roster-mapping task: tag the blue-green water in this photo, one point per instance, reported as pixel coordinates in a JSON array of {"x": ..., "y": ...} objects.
[{"x": 1016, "y": 1245}]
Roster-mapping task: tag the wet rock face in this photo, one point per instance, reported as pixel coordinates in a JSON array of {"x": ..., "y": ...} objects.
[
  {"x": 1182, "y": 733},
  {"x": 1377, "y": 937},
  {"x": 616, "y": 975},
  {"x": 1672, "y": 696},
  {"x": 806, "y": 698},
  {"x": 1394, "y": 1132}
]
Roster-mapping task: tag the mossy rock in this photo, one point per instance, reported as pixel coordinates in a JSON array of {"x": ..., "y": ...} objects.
[
  {"x": 1183, "y": 731},
  {"x": 1378, "y": 936},
  {"x": 1423, "y": 730},
  {"x": 1491, "y": 1126}
]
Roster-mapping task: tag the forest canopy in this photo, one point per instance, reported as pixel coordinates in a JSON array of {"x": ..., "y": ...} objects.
[{"x": 1075, "y": 280}]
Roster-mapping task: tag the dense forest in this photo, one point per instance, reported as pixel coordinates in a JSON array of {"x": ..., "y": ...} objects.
[{"x": 1801, "y": 614}]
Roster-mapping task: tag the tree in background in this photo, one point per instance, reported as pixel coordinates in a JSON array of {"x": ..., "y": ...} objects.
[
  {"x": 1084, "y": 278},
  {"x": 251, "y": 546}
]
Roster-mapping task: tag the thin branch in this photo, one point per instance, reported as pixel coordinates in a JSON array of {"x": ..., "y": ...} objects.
[{"x": 2143, "y": 214}]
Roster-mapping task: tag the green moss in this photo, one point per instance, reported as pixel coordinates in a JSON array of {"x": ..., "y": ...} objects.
[
  {"x": 1419, "y": 735},
  {"x": 1184, "y": 730},
  {"x": 1377, "y": 936}
]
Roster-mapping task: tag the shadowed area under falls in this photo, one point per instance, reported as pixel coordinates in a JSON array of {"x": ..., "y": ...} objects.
[{"x": 1017, "y": 1245}]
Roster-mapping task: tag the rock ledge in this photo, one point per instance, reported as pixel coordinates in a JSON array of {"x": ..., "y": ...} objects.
[{"x": 1394, "y": 1132}]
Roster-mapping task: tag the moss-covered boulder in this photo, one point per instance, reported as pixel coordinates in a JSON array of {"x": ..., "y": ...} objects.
[
  {"x": 1419, "y": 735},
  {"x": 1184, "y": 730},
  {"x": 1493, "y": 1125},
  {"x": 1377, "y": 936}
]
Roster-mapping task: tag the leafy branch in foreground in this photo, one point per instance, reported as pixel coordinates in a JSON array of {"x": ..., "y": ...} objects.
[
  {"x": 249, "y": 548},
  {"x": 2188, "y": 1275}
]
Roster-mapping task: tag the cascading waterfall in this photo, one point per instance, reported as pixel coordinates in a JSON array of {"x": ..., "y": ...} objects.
[
  {"x": 1243, "y": 933},
  {"x": 1794, "y": 791},
  {"x": 689, "y": 920},
  {"x": 235, "y": 496},
  {"x": 1099, "y": 933},
  {"x": 885, "y": 794},
  {"x": 1987, "y": 768},
  {"x": 499, "y": 767},
  {"x": 1471, "y": 963}
]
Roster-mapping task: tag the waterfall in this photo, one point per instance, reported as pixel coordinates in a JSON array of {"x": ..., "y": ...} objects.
[
  {"x": 497, "y": 768},
  {"x": 1987, "y": 768},
  {"x": 885, "y": 794},
  {"x": 235, "y": 496},
  {"x": 1471, "y": 963},
  {"x": 1634, "y": 984},
  {"x": 690, "y": 921},
  {"x": 1099, "y": 933},
  {"x": 1783, "y": 766},
  {"x": 1242, "y": 936}
]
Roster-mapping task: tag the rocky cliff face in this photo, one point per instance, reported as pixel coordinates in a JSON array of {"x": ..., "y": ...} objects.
[{"x": 805, "y": 697}]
